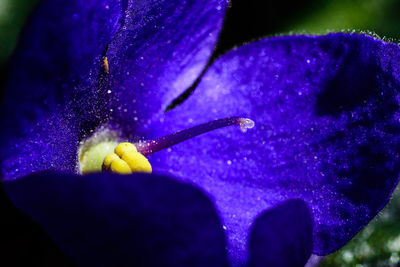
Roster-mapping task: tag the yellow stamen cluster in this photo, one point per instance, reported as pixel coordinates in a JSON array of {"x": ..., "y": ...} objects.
[{"x": 126, "y": 160}]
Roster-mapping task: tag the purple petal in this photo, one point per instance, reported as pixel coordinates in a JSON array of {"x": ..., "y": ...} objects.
[
  {"x": 23, "y": 242},
  {"x": 136, "y": 220},
  {"x": 50, "y": 100},
  {"x": 59, "y": 91},
  {"x": 326, "y": 131},
  {"x": 282, "y": 236},
  {"x": 162, "y": 49},
  {"x": 60, "y": 58}
]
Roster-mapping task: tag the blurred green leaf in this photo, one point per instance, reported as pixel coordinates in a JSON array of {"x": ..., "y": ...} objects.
[
  {"x": 378, "y": 244},
  {"x": 13, "y": 14},
  {"x": 378, "y": 16}
]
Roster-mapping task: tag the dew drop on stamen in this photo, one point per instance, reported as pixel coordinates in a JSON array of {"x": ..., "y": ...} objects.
[{"x": 246, "y": 124}]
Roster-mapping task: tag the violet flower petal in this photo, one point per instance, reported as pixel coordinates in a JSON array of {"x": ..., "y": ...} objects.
[
  {"x": 24, "y": 242},
  {"x": 107, "y": 219},
  {"x": 59, "y": 91},
  {"x": 326, "y": 131},
  {"x": 58, "y": 60},
  {"x": 162, "y": 50},
  {"x": 49, "y": 102},
  {"x": 282, "y": 236}
]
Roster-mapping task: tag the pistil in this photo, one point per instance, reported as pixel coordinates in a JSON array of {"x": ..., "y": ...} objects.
[
  {"x": 126, "y": 158},
  {"x": 148, "y": 147}
]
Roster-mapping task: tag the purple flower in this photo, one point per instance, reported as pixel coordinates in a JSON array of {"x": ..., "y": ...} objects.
[{"x": 320, "y": 163}]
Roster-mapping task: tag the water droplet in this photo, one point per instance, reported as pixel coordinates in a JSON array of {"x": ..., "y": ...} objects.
[
  {"x": 245, "y": 124},
  {"x": 228, "y": 162},
  {"x": 109, "y": 92}
]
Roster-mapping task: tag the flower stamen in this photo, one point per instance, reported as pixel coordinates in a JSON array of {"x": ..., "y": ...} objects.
[{"x": 126, "y": 160}]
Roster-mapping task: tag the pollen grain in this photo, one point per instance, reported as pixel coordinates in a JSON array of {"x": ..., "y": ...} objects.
[{"x": 105, "y": 63}]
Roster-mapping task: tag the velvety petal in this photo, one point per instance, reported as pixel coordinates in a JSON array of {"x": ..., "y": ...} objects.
[
  {"x": 162, "y": 49},
  {"x": 326, "y": 112},
  {"x": 23, "y": 242},
  {"x": 282, "y": 236},
  {"x": 113, "y": 220},
  {"x": 60, "y": 92},
  {"x": 51, "y": 97}
]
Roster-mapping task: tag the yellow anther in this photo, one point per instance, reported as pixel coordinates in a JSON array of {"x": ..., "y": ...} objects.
[
  {"x": 120, "y": 166},
  {"x": 108, "y": 160},
  {"x": 124, "y": 147},
  {"x": 137, "y": 162},
  {"x": 126, "y": 160}
]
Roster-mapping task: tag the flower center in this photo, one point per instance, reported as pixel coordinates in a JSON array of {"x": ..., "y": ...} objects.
[{"x": 128, "y": 158}]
